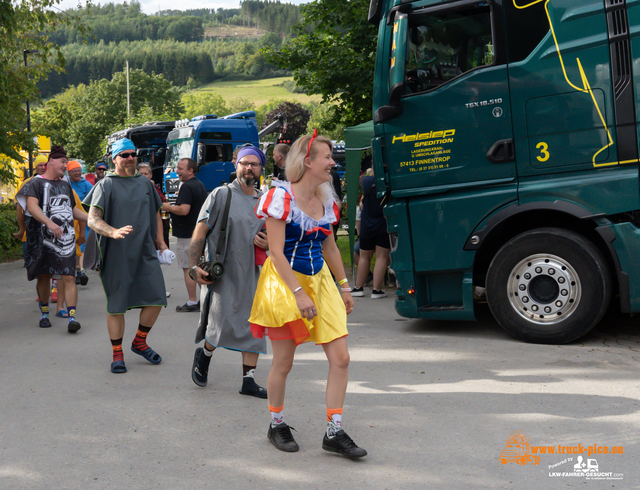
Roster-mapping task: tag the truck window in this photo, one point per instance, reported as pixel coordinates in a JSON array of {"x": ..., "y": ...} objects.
[
  {"x": 523, "y": 41},
  {"x": 178, "y": 149},
  {"x": 217, "y": 153},
  {"x": 443, "y": 45},
  {"x": 211, "y": 135}
]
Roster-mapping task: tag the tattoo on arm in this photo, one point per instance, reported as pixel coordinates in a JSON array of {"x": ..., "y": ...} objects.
[
  {"x": 97, "y": 224},
  {"x": 195, "y": 251}
]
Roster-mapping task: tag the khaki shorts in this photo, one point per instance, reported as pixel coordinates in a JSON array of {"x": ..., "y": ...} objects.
[{"x": 182, "y": 252}]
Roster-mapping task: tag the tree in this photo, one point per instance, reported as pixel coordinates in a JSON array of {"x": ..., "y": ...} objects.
[
  {"x": 201, "y": 104},
  {"x": 334, "y": 56},
  {"x": 55, "y": 117},
  {"x": 296, "y": 116},
  {"x": 23, "y": 24},
  {"x": 323, "y": 118},
  {"x": 101, "y": 106}
]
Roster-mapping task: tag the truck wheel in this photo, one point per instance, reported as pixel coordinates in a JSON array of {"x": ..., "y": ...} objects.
[{"x": 548, "y": 286}]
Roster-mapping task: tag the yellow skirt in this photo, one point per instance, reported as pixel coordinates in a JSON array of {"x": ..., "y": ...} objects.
[{"x": 276, "y": 313}]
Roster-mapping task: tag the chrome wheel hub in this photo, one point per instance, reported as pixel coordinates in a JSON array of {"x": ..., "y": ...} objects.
[{"x": 544, "y": 289}]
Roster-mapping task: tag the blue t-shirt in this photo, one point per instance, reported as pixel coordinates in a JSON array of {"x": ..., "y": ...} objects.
[{"x": 81, "y": 187}]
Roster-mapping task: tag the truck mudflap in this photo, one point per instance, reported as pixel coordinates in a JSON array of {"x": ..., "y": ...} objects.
[{"x": 435, "y": 296}]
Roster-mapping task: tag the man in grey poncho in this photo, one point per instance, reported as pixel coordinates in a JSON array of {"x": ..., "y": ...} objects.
[
  {"x": 124, "y": 212},
  {"x": 226, "y": 303}
]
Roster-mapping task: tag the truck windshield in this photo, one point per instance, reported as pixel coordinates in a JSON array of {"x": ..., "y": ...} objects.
[
  {"x": 445, "y": 44},
  {"x": 178, "y": 149}
]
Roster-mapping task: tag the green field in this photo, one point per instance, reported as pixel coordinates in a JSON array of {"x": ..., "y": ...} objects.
[{"x": 258, "y": 91}]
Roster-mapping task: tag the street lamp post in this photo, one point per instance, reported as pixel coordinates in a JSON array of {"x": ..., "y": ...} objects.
[{"x": 25, "y": 52}]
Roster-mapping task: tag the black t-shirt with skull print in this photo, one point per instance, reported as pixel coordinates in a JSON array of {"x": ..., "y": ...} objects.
[{"x": 45, "y": 253}]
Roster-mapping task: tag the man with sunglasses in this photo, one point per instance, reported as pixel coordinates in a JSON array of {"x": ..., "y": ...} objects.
[
  {"x": 101, "y": 168},
  {"x": 185, "y": 211},
  {"x": 124, "y": 210},
  {"x": 226, "y": 303}
]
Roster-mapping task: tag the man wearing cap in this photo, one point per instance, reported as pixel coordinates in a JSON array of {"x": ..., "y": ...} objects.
[
  {"x": 50, "y": 252},
  {"x": 226, "y": 303},
  {"x": 185, "y": 211},
  {"x": 124, "y": 210},
  {"x": 82, "y": 188},
  {"x": 101, "y": 168}
]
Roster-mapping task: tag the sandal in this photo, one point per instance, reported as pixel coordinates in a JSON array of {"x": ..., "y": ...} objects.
[
  {"x": 62, "y": 314},
  {"x": 149, "y": 354},
  {"x": 118, "y": 367}
]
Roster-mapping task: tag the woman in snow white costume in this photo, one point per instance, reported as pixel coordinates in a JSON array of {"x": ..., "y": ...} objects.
[{"x": 296, "y": 299}]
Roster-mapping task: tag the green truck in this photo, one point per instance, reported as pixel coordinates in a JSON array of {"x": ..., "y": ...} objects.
[{"x": 506, "y": 143}]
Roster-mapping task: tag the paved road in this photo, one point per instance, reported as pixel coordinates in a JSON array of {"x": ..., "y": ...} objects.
[{"x": 432, "y": 402}]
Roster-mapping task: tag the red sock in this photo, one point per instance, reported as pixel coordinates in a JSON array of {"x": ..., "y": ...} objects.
[
  {"x": 116, "y": 345},
  {"x": 140, "y": 340}
]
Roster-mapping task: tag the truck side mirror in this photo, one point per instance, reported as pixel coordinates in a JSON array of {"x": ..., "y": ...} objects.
[
  {"x": 397, "y": 64},
  {"x": 398, "y": 51},
  {"x": 200, "y": 154}
]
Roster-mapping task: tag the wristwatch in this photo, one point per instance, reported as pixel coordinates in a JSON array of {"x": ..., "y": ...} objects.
[{"x": 193, "y": 270}]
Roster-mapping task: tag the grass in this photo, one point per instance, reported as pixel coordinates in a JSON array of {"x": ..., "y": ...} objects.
[
  {"x": 258, "y": 91},
  {"x": 345, "y": 253}
]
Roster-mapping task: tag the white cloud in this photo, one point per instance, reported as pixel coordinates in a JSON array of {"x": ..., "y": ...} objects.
[{"x": 153, "y": 6}]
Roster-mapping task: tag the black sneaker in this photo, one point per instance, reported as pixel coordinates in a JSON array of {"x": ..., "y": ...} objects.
[
  {"x": 78, "y": 278},
  {"x": 84, "y": 279},
  {"x": 73, "y": 326},
  {"x": 45, "y": 322},
  {"x": 377, "y": 294},
  {"x": 341, "y": 443},
  {"x": 187, "y": 307},
  {"x": 251, "y": 388},
  {"x": 357, "y": 292},
  {"x": 200, "y": 368},
  {"x": 280, "y": 436}
]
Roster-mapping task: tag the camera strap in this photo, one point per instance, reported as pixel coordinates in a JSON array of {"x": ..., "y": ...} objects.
[{"x": 223, "y": 227}]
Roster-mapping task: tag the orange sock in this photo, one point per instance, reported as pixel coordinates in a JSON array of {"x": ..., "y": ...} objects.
[
  {"x": 116, "y": 345},
  {"x": 140, "y": 340},
  {"x": 334, "y": 415}
]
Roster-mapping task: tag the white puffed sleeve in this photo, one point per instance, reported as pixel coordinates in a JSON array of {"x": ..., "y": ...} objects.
[{"x": 275, "y": 204}]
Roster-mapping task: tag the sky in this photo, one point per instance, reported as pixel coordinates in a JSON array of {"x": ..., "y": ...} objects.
[{"x": 153, "y": 6}]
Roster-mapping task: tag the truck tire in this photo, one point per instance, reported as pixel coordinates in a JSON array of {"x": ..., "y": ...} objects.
[{"x": 548, "y": 286}]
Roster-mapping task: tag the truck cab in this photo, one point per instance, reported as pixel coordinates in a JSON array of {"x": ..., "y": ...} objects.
[
  {"x": 210, "y": 141},
  {"x": 506, "y": 144}
]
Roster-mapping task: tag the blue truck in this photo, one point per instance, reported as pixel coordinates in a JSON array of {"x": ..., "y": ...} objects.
[{"x": 210, "y": 140}]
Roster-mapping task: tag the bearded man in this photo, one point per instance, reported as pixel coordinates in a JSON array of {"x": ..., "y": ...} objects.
[
  {"x": 124, "y": 210},
  {"x": 226, "y": 303}
]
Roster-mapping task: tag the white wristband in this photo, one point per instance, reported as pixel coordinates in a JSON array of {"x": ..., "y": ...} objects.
[{"x": 297, "y": 289}]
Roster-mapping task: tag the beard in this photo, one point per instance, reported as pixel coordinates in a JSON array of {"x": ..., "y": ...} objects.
[{"x": 247, "y": 179}]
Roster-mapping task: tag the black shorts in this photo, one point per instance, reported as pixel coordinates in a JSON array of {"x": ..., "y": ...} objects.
[{"x": 371, "y": 242}]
